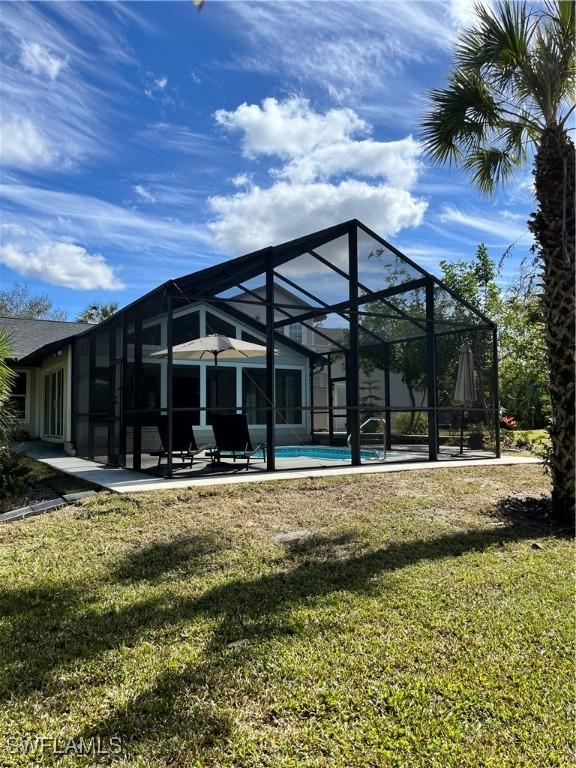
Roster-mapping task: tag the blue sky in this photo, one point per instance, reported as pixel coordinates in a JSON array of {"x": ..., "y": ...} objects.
[{"x": 143, "y": 141}]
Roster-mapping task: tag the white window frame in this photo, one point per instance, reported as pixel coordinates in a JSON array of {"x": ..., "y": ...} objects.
[
  {"x": 281, "y": 367},
  {"x": 239, "y": 365},
  {"x": 26, "y": 396},
  {"x": 51, "y": 372}
]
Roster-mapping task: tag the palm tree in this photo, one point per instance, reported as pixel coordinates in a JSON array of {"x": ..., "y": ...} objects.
[
  {"x": 509, "y": 98},
  {"x": 97, "y": 313},
  {"x": 7, "y": 376}
]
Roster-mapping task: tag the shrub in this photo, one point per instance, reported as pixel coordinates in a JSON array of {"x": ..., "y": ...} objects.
[
  {"x": 508, "y": 422},
  {"x": 409, "y": 423},
  {"x": 14, "y": 474}
]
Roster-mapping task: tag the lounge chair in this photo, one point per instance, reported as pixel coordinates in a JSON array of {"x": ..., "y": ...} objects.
[
  {"x": 183, "y": 440},
  {"x": 233, "y": 438}
]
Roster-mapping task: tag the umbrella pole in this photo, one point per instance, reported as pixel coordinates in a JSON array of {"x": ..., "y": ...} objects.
[
  {"x": 462, "y": 432},
  {"x": 216, "y": 382}
]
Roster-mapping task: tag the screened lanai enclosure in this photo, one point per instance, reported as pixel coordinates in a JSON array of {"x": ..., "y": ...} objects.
[{"x": 361, "y": 355}]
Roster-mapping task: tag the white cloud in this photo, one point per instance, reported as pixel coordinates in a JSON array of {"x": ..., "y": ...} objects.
[
  {"x": 62, "y": 263},
  {"x": 511, "y": 216},
  {"x": 12, "y": 229},
  {"x": 60, "y": 215},
  {"x": 156, "y": 88},
  {"x": 177, "y": 138},
  {"x": 320, "y": 145},
  {"x": 143, "y": 193},
  {"x": 348, "y": 49},
  {"x": 289, "y": 128},
  {"x": 22, "y": 145},
  {"x": 67, "y": 86},
  {"x": 500, "y": 227},
  {"x": 242, "y": 180},
  {"x": 327, "y": 176},
  {"x": 396, "y": 161},
  {"x": 39, "y": 61},
  {"x": 258, "y": 217},
  {"x": 463, "y": 12}
]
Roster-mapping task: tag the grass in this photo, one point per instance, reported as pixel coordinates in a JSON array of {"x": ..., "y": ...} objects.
[
  {"x": 416, "y": 625},
  {"x": 43, "y": 482}
]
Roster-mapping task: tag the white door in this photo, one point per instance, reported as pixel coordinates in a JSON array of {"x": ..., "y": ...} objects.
[
  {"x": 339, "y": 405},
  {"x": 54, "y": 404}
]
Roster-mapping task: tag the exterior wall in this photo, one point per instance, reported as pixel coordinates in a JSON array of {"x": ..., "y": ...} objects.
[
  {"x": 34, "y": 423},
  {"x": 29, "y": 423}
]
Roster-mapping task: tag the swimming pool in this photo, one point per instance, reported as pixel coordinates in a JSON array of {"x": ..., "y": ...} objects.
[{"x": 331, "y": 453}]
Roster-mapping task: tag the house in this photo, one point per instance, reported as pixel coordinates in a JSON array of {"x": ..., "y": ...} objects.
[
  {"x": 43, "y": 359},
  {"x": 41, "y": 356},
  {"x": 350, "y": 327}
]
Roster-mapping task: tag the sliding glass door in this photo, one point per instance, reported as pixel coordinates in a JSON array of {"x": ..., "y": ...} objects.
[{"x": 54, "y": 404}]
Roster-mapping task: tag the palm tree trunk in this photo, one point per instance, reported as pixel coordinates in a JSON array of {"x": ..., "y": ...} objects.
[{"x": 553, "y": 229}]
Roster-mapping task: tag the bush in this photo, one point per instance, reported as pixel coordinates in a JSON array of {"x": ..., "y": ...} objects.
[
  {"x": 14, "y": 474},
  {"x": 406, "y": 423},
  {"x": 508, "y": 422}
]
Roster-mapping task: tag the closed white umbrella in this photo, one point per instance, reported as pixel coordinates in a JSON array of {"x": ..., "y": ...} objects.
[
  {"x": 465, "y": 392},
  {"x": 215, "y": 346}
]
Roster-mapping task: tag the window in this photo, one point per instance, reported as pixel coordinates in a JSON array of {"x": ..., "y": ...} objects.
[
  {"x": 152, "y": 334},
  {"x": 295, "y": 332},
  {"x": 215, "y": 324},
  {"x": 101, "y": 373},
  {"x": 221, "y": 390},
  {"x": 254, "y": 395},
  {"x": 288, "y": 395},
  {"x": 185, "y": 328},
  {"x": 19, "y": 396},
  {"x": 148, "y": 383},
  {"x": 186, "y": 389},
  {"x": 252, "y": 339}
]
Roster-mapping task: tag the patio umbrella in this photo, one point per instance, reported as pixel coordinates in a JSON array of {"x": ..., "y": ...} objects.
[
  {"x": 215, "y": 346},
  {"x": 465, "y": 392}
]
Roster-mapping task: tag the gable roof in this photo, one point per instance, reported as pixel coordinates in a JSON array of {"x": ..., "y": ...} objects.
[{"x": 27, "y": 335}]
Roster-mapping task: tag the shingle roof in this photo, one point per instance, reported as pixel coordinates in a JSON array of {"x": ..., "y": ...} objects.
[{"x": 27, "y": 335}]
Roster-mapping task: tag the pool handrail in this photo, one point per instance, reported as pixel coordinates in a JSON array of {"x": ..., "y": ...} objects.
[{"x": 382, "y": 421}]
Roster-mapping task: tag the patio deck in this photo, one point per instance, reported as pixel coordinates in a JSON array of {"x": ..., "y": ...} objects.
[{"x": 127, "y": 481}]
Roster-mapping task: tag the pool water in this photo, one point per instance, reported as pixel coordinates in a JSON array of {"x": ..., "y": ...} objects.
[{"x": 329, "y": 452}]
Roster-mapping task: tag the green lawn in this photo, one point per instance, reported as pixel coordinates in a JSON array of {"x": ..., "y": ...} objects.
[{"x": 419, "y": 625}]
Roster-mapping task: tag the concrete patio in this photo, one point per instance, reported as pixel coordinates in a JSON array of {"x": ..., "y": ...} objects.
[{"x": 127, "y": 481}]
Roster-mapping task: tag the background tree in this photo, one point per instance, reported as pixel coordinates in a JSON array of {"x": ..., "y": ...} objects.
[
  {"x": 517, "y": 311},
  {"x": 19, "y": 302},
  {"x": 96, "y": 313},
  {"x": 512, "y": 89},
  {"x": 523, "y": 368}
]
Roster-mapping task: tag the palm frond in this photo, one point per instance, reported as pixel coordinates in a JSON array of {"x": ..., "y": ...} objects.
[
  {"x": 514, "y": 137},
  {"x": 463, "y": 114},
  {"x": 561, "y": 30},
  {"x": 514, "y": 73},
  {"x": 499, "y": 43},
  {"x": 490, "y": 166}
]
